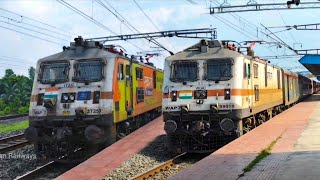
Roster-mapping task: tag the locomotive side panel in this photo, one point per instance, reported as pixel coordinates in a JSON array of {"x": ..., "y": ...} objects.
[{"x": 266, "y": 90}]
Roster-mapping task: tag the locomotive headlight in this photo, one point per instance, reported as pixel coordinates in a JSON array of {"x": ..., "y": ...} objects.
[
  {"x": 65, "y": 97},
  {"x": 68, "y": 97},
  {"x": 71, "y": 97},
  {"x": 200, "y": 94}
]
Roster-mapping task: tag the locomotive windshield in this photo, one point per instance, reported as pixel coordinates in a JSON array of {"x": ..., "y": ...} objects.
[
  {"x": 88, "y": 71},
  {"x": 184, "y": 71},
  {"x": 219, "y": 70},
  {"x": 54, "y": 73}
]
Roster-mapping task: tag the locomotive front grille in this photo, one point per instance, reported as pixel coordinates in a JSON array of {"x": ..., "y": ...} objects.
[{"x": 203, "y": 144}]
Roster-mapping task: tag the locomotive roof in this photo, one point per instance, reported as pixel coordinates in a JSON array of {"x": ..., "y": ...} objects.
[
  {"x": 78, "y": 53},
  {"x": 215, "y": 50}
]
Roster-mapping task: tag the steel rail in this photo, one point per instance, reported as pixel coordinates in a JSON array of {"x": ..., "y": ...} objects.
[
  {"x": 12, "y": 116},
  {"x": 38, "y": 171},
  {"x": 162, "y": 167},
  {"x": 12, "y": 143}
]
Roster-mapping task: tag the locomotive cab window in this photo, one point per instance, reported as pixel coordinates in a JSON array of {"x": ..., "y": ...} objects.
[
  {"x": 120, "y": 72},
  {"x": 88, "y": 71},
  {"x": 218, "y": 70},
  {"x": 54, "y": 73},
  {"x": 128, "y": 72},
  {"x": 184, "y": 71}
]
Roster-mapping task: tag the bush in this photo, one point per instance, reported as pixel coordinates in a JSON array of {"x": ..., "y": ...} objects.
[
  {"x": 23, "y": 110},
  {"x": 7, "y": 110}
]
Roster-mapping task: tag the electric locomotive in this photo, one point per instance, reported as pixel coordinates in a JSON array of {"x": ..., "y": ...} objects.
[
  {"x": 213, "y": 94},
  {"x": 88, "y": 96}
]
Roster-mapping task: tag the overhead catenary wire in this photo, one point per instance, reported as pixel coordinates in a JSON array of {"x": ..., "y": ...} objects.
[
  {"x": 127, "y": 24},
  {"x": 91, "y": 19},
  {"x": 34, "y": 31},
  {"x": 233, "y": 26},
  {"x": 284, "y": 22},
  {"x": 31, "y": 19},
  {"x": 28, "y": 24},
  {"x": 151, "y": 22},
  {"x": 118, "y": 16},
  {"x": 31, "y": 35}
]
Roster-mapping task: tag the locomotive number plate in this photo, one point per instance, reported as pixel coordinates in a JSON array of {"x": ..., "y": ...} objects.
[
  {"x": 226, "y": 106},
  {"x": 66, "y": 113},
  {"x": 93, "y": 111}
]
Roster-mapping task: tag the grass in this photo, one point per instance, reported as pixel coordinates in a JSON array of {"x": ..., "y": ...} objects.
[
  {"x": 264, "y": 153},
  {"x": 4, "y": 128}
]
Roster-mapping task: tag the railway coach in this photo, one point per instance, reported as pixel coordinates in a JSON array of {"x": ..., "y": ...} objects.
[
  {"x": 214, "y": 94},
  {"x": 90, "y": 95}
]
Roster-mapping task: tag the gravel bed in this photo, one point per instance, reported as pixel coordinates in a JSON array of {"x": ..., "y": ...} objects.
[
  {"x": 18, "y": 162},
  {"x": 12, "y": 133},
  {"x": 154, "y": 154},
  {"x": 56, "y": 171},
  {"x": 13, "y": 120},
  {"x": 181, "y": 165}
]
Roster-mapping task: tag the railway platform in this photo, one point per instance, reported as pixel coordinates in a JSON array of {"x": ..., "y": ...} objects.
[
  {"x": 113, "y": 156},
  {"x": 293, "y": 141}
]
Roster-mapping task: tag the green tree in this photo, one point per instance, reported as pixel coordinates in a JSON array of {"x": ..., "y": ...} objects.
[
  {"x": 15, "y": 92},
  {"x": 9, "y": 72},
  {"x": 32, "y": 72}
]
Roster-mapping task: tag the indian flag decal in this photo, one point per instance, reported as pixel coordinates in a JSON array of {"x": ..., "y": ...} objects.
[
  {"x": 185, "y": 95},
  {"x": 51, "y": 93}
]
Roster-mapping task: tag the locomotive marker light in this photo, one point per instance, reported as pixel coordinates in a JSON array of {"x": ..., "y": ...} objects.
[
  {"x": 173, "y": 95},
  {"x": 227, "y": 94}
]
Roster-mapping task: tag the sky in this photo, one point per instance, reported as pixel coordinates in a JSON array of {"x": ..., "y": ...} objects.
[{"x": 56, "y": 26}]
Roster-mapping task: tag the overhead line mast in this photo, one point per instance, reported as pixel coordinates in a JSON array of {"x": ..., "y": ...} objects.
[{"x": 254, "y": 6}]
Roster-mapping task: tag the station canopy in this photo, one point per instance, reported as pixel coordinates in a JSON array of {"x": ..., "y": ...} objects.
[{"x": 312, "y": 63}]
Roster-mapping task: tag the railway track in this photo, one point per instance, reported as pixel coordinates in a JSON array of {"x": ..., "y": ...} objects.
[
  {"x": 12, "y": 143},
  {"x": 12, "y": 116},
  {"x": 38, "y": 171},
  {"x": 162, "y": 167}
]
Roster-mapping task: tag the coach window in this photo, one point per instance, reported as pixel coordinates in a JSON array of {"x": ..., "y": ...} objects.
[
  {"x": 255, "y": 70},
  {"x": 256, "y": 93},
  {"x": 140, "y": 94},
  {"x": 278, "y": 79},
  {"x": 139, "y": 73},
  {"x": 120, "y": 72}
]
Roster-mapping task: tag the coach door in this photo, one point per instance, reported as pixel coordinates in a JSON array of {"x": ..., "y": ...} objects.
[{"x": 129, "y": 90}]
